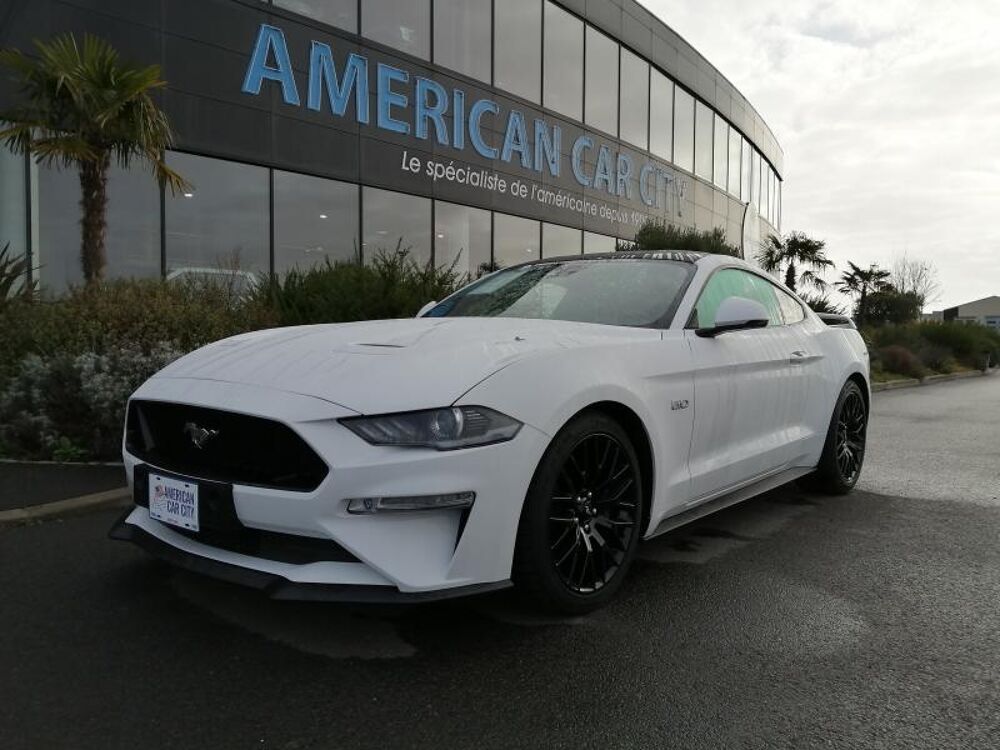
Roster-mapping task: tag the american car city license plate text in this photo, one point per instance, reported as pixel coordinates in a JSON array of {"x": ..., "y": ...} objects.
[{"x": 173, "y": 501}]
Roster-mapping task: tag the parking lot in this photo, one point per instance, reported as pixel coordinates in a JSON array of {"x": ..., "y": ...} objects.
[{"x": 792, "y": 621}]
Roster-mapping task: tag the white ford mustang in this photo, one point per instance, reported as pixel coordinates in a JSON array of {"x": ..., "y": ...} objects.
[{"x": 529, "y": 429}]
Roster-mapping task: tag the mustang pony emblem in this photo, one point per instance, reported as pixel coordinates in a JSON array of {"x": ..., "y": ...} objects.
[{"x": 199, "y": 435}]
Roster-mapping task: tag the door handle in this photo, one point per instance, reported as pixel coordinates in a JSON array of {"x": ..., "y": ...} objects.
[{"x": 798, "y": 357}]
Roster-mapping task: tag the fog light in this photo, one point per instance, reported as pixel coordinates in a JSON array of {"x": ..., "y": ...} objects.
[{"x": 369, "y": 505}]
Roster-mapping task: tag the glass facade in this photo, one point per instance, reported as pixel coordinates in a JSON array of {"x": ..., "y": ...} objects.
[
  {"x": 721, "y": 154},
  {"x": 634, "y": 100},
  {"x": 517, "y": 47},
  {"x": 340, "y": 13},
  {"x": 403, "y": 26},
  {"x": 396, "y": 221},
  {"x": 463, "y": 31},
  {"x": 735, "y": 161},
  {"x": 315, "y": 221},
  {"x": 13, "y": 204},
  {"x": 260, "y": 218},
  {"x": 661, "y": 115},
  {"x": 221, "y": 222},
  {"x": 558, "y": 240},
  {"x": 462, "y": 238},
  {"x": 598, "y": 243},
  {"x": 515, "y": 240},
  {"x": 563, "y": 62},
  {"x": 601, "y": 98},
  {"x": 683, "y": 129},
  {"x": 704, "y": 127}
]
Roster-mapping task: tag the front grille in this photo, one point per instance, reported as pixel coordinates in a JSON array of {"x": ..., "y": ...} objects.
[
  {"x": 220, "y": 527},
  {"x": 233, "y": 447}
]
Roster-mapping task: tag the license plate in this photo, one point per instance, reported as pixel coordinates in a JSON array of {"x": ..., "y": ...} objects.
[{"x": 173, "y": 501}]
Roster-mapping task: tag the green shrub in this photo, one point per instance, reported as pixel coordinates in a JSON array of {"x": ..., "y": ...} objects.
[
  {"x": 940, "y": 345},
  {"x": 902, "y": 361},
  {"x": 655, "y": 235},
  {"x": 135, "y": 313},
  {"x": 393, "y": 285}
]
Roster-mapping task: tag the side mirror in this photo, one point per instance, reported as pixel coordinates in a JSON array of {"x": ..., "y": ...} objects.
[
  {"x": 425, "y": 309},
  {"x": 736, "y": 314}
]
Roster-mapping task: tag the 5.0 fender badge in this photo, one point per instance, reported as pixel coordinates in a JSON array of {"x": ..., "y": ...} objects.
[{"x": 679, "y": 404}]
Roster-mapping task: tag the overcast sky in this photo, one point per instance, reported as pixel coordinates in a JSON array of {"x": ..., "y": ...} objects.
[{"x": 889, "y": 115}]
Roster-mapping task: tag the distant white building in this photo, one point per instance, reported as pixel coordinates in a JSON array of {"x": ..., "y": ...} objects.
[{"x": 983, "y": 311}]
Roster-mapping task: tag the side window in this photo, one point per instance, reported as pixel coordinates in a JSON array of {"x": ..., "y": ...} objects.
[
  {"x": 733, "y": 282},
  {"x": 791, "y": 310}
]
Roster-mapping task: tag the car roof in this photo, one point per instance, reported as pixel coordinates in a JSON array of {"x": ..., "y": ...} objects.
[
  {"x": 678, "y": 256},
  {"x": 682, "y": 256}
]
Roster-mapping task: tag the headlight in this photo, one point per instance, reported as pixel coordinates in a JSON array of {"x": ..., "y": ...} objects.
[{"x": 443, "y": 429}]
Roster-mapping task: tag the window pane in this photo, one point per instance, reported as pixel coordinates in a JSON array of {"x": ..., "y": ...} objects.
[
  {"x": 396, "y": 221},
  {"x": 222, "y": 222},
  {"x": 721, "y": 151},
  {"x": 598, "y": 243},
  {"x": 559, "y": 240},
  {"x": 315, "y": 220},
  {"x": 732, "y": 282},
  {"x": 602, "y": 82},
  {"x": 747, "y": 171},
  {"x": 791, "y": 310},
  {"x": 661, "y": 120},
  {"x": 604, "y": 292},
  {"x": 704, "y": 122},
  {"x": 515, "y": 240},
  {"x": 462, "y": 36},
  {"x": 683, "y": 129},
  {"x": 634, "y": 100},
  {"x": 734, "y": 161},
  {"x": 563, "y": 62},
  {"x": 340, "y": 13},
  {"x": 518, "y": 47},
  {"x": 13, "y": 205},
  {"x": 132, "y": 243},
  {"x": 756, "y": 180},
  {"x": 462, "y": 238},
  {"x": 404, "y": 26}
]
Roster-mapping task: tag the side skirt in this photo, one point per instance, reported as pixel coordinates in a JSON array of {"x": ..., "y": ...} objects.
[{"x": 730, "y": 498}]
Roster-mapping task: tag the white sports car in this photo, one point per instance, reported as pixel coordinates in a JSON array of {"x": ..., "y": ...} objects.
[{"x": 529, "y": 429}]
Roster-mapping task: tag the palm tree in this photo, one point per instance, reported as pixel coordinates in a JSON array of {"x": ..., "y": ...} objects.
[
  {"x": 82, "y": 108},
  {"x": 861, "y": 282},
  {"x": 797, "y": 251}
]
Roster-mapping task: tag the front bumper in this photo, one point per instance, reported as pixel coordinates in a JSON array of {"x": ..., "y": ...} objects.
[
  {"x": 278, "y": 587},
  {"x": 414, "y": 556}
]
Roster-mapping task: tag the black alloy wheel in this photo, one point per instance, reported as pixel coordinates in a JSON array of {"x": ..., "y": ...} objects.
[
  {"x": 843, "y": 455},
  {"x": 582, "y": 518},
  {"x": 851, "y": 433},
  {"x": 593, "y": 513}
]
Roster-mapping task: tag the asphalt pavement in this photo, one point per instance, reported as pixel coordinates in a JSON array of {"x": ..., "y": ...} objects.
[{"x": 791, "y": 621}]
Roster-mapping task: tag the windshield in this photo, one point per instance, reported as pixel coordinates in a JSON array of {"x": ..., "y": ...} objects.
[{"x": 638, "y": 293}]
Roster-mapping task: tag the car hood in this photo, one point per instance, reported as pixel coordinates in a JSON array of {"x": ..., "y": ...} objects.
[{"x": 389, "y": 365}]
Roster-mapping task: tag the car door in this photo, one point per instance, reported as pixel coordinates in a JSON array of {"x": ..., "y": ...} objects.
[
  {"x": 805, "y": 379},
  {"x": 747, "y": 392}
]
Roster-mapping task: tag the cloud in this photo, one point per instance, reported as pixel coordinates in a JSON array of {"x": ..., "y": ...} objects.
[{"x": 889, "y": 115}]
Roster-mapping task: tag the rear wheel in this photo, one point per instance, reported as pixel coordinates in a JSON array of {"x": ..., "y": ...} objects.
[
  {"x": 844, "y": 451},
  {"x": 582, "y": 518}
]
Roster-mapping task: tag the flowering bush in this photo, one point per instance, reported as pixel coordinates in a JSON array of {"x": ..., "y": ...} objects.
[{"x": 66, "y": 406}]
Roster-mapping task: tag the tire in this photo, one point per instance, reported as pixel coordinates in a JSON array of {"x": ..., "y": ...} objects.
[
  {"x": 846, "y": 439},
  {"x": 582, "y": 518}
]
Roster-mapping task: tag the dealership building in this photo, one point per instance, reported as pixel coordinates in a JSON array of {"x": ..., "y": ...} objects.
[{"x": 472, "y": 132}]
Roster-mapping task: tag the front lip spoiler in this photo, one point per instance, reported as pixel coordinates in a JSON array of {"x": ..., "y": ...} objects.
[{"x": 279, "y": 588}]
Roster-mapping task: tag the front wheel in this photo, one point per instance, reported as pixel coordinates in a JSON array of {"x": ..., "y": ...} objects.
[
  {"x": 582, "y": 518},
  {"x": 844, "y": 451}
]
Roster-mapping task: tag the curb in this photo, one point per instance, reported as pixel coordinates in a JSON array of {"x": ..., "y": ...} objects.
[
  {"x": 65, "y": 508},
  {"x": 894, "y": 385}
]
